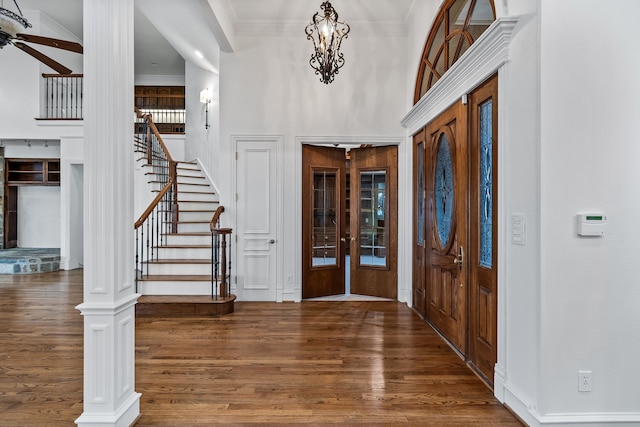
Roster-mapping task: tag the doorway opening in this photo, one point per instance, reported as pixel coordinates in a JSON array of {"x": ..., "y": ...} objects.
[{"x": 349, "y": 216}]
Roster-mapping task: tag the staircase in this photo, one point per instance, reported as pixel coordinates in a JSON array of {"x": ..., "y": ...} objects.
[{"x": 179, "y": 245}]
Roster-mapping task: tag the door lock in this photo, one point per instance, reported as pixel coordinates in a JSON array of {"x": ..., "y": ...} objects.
[{"x": 460, "y": 258}]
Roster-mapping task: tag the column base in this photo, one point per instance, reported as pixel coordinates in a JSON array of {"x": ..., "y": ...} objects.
[{"x": 125, "y": 416}]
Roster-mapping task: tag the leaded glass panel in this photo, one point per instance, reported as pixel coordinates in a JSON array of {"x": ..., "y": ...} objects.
[
  {"x": 421, "y": 198},
  {"x": 444, "y": 189},
  {"x": 486, "y": 184}
]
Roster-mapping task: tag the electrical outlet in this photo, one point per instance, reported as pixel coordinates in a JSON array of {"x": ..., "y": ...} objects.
[{"x": 585, "y": 381}]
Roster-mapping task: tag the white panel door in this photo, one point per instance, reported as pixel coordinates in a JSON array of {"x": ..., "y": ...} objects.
[{"x": 256, "y": 218}]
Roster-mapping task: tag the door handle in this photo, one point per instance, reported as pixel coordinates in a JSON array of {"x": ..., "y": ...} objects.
[
  {"x": 353, "y": 239},
  {"x": 272, "y": 241},
  {"x": 460, "y": 258},
  {"x": 343, "y": 239}
]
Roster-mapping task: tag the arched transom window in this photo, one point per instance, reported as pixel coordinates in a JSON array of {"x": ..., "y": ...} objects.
[{"x": 458, "y": 24}]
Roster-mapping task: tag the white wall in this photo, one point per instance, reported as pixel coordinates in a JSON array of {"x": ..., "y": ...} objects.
[
  {"x": 589, "y": 162},
  {"x": 21, "y": 98},
  {"x": 268, "y": 88},
  {"x": 202, "y": 143},
  {"x": 38, "y": 216}
]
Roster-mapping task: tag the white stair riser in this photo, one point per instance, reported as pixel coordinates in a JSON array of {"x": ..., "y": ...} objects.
[
  {"x": 184, "y": 253},
  {"x": 195, "y": 187},
  {"x": 188, "y": 240},
  {"x": 197, "y": 227},
  {"x": 174, "y": 288},
  {"x": 191, "y": 180},
  {"x": 207, "y": 197},
  {"x": 178, "y": 269},
  {"x": 199, "y": 206},
  {"x": 196, "y": 215}
]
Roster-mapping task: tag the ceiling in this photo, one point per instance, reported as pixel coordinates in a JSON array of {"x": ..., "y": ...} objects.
[{"x": 162, "y": 54}]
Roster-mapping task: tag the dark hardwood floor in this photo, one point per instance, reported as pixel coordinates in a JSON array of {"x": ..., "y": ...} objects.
[{"x": 313, "y": 363}]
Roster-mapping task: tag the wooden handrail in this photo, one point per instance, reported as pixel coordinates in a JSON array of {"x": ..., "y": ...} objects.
[
  {"x": 216, "y": 217},
  {"x": 173, "y": 172},
  {"x": 154, "y": 129},
  {"x": 153, "y": 204},
  {"x": 45, "y": 75}
]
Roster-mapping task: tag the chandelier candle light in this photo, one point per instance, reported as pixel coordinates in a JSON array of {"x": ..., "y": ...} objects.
[{"x": 326, "y": 33}]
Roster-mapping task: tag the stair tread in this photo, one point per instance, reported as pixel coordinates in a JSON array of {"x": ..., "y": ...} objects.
[
  {"x": 180, "y": 261},
  {"x": 176, "y": 278},
  {"x": 192, "y": 233},
  {"x": 195, "y": 192},
  {"x": 191, "y": 176},
  {"x": 184, "y": 247}
]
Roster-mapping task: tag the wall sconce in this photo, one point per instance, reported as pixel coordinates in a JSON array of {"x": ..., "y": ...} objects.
[{"x": 205, "y": 97}]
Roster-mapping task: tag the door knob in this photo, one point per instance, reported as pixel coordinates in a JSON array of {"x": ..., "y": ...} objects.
[
  {"x": 343, "y": 239},
  {"x": 272, "y": 241},
  {"x": 460, "y": 258},
  {"x": 353, "y": 239}
]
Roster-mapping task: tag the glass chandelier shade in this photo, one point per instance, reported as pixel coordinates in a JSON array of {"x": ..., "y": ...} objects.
[{"x": 326, "y": 33}]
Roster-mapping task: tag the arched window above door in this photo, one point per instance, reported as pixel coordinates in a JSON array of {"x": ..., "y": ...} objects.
[{"x": 456, "y": 27}]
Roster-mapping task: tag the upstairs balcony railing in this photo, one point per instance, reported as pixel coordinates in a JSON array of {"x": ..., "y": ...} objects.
[
  {"x": 62, "y": 100},
  {"x": 62, "y": 96}
]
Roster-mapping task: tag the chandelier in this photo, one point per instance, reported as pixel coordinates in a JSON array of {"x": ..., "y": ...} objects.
[{"x": 326, "y": 33}]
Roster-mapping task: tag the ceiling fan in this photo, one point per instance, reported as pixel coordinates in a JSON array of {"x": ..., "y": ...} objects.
[{"x": 11, "y": 25}]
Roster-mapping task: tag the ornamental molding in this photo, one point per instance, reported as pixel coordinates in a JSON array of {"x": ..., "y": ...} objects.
[{"x": 479, "y": 62}]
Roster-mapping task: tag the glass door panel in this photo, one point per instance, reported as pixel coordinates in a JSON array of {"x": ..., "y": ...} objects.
[
  {"x": 373, "y": 231},
  {"x": 325, "y": 224}
]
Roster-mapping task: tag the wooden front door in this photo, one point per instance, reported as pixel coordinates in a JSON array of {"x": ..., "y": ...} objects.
[
  {"x": 446, "y": 224},
  {"x": 374, "y": 221},
  {"x": 323, "y": 221},
  {"x": 455, "y": 226}
]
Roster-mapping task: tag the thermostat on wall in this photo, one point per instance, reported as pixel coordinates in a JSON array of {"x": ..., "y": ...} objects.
[{"x": 592, "y": 224}]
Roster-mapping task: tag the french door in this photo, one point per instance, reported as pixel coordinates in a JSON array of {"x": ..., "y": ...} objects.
[
  {"x": 323, "y": 221},
  {"x": 455, "y": 226},
  {"x": 355, "y": 216}
]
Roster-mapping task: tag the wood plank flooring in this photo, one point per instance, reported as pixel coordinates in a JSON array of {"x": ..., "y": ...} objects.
[{"x": 314, "y": 363}]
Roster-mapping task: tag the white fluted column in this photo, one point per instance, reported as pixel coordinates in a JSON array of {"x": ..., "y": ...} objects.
[{"x": 109, "y": 295}]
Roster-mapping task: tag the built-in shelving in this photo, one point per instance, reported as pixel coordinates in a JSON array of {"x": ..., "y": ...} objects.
[{"x": 32, "y": 171}]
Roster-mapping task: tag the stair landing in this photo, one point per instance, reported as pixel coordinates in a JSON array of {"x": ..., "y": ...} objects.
[{"x": 184, "y": 305}]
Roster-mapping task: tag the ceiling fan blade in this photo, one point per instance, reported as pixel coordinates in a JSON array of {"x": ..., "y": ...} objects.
[
  {"x": 42, "y": 58},
  {"x": 47, "y": 41}
]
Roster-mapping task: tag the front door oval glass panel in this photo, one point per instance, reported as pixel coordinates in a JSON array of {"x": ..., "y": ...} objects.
[
  {"x": 373, "y": 212},
  {"x": 443, "y": 191},
  {"x": 325, "y": 221}
]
